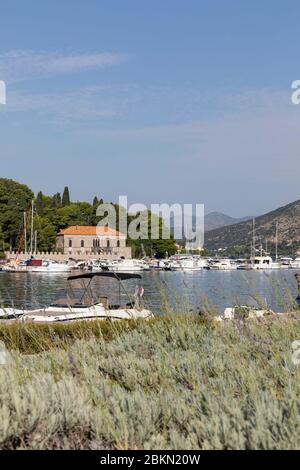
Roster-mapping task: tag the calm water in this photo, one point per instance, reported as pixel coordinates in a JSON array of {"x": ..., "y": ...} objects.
[{"x": 223, "y": 289}]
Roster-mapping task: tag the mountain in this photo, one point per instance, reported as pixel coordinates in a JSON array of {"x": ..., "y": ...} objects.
[
  {"x": 212, "y": 220},
  {"x": 231, "y": 236},
  {"x": 215, "y": 220}
]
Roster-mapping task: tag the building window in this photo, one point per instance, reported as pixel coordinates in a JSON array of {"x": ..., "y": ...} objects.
[
  {"x": 107, "y": 243},
  {"x": 82, "y": 243},
  {"x": 118, "y": 243},
  {"x": 70, "y": 243},
  {"x": 96, "y": 243}
]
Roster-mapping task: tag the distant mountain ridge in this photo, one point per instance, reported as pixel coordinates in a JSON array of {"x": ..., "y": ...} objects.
[
  {"x": 239, "y": 234},
  {"x": 214, "y": 220}
]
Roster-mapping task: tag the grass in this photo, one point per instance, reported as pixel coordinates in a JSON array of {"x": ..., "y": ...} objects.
[{"x": 181, "y": 382}]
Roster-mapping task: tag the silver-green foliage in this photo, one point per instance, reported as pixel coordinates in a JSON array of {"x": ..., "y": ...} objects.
[{"x": 175, "y": 383}]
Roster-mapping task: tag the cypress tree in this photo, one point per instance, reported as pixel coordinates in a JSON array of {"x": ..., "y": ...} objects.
[
  {"x": 39, "y": 204},
  {"x": 56, "y": 200},
  {"x": 66, "y": 197}
]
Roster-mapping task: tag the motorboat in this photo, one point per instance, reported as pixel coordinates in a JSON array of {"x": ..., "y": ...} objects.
[
  {"x": 49, "y": 266},
  {"x": 295, "y": 264},
  {"x": 87, "y": 298},
  {"x": 243, "y": 264},
  {"x": 286, "y": 262},
  {"x": 264, "y": 262},
  {"x": 186, "y": 263},
  {"x": 244, "y": 312},
  {"x": 14, "y": 268},
  {"x": 125, "y": 265},
  {"x": 223, "y": 264}
]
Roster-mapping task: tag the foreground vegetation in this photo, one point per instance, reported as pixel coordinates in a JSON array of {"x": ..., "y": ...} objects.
[{"x": 180, "y": 383}]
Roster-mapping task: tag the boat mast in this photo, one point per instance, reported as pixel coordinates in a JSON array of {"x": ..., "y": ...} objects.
[
  {"x": 276, "y": 241},
  {"x": 35, "y": 242},
  {"x": 31, "y": 229},
  {"x": 25, "y": 233},
  {"x": 253, "y": 237}
]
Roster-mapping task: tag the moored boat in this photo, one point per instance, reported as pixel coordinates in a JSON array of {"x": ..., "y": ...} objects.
[{"x": 85, "y": 303}]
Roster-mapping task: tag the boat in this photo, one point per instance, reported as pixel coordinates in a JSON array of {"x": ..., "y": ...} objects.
[
  {"x": 243, "y": 264},
  {"x": 295, "y": 264},
  {"x": 264, "y": 262},
  {"x": 15, "y": 266},
  {"x": 286, "y": 262},
  {"x": 223, "y": 264},
  {"x": 186, "y": 263},
  {"x": 244, "y": 312},
  {"x": 125, "y": 265},
  {"x": 81, "y": 301},
  {"x": 49, "y": 266}
]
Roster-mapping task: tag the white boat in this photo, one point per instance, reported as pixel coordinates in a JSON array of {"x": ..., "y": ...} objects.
[
  {"x": 84, "y": 303},
  {"x": 264, "y": 262},
  {"x": 49, "y": 266},
  {"x": 126, "y": 265},
  {"x": 295, "y": 264},
  {"x": 286, "y": 261},
  {"x": 186, "y": 263},
  {"x": 243, "y": 264},
  {"x": 223, "y": 264},
  {"x": 14, "y": 268},
  {"x": 243, "y": 312}
]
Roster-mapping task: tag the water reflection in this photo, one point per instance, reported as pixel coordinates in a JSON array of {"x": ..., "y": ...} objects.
[{"x": 276, "y": 288}]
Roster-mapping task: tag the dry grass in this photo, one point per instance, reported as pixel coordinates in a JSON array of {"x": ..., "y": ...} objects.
[{"x": 172, "y": 383}]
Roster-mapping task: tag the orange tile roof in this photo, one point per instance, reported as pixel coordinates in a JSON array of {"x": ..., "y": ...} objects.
[{"x": 86, "y": 230}]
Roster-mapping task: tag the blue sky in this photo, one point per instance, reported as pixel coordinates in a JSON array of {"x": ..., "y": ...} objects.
[{"x": 163, "y": 101}]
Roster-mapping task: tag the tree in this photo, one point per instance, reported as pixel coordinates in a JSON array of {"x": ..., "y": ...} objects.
[
  {"x": 155, "y": 238},
  {"x": 46, "y": 233},
  {"x": 56, "y": 200},
  {"x": 15, "y": 199},
  {"x": 95, "y": 201},
  {"x": 66, "y": 197},
  {"x": 39, "y": 204},
  {"x": 3, "y": 244}
]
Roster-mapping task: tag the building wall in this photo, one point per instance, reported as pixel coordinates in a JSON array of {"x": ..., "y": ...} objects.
[
  {"x": 78, "y": 245},
  {"x": 110, "y": 254}
]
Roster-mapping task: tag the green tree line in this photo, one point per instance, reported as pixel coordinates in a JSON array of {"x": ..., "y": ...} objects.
[{"x": 53, "y": 213}]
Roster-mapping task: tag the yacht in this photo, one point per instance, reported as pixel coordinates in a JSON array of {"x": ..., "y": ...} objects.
[
  {"x": 286, "y": 262},
  {"x": 264, "y": 262},
  {"x": 125, "y": 265},
  {"x": 89, "y": 301},
  {"x": 243, "y": 264},
  {"x": 295, "y": 264},
  {"x": 223, "y": 264},
  {"x": 187, "y": 263},
  {"x": 48, "y": 266}
]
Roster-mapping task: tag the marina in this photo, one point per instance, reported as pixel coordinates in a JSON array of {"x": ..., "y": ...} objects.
[{"x": 222, "y": 288}]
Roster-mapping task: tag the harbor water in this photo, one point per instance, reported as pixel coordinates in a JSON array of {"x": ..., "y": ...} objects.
[{"x": 192, "y": 290}]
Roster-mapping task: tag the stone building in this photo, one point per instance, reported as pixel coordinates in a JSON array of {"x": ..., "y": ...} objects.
[{"x": 92, "y": 242}]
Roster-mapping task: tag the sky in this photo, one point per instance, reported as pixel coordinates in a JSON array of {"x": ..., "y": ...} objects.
[{"x": 163, "y": 101}]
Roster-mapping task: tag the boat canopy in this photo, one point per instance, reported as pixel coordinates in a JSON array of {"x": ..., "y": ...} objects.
[{"x": 118, "y": 276}]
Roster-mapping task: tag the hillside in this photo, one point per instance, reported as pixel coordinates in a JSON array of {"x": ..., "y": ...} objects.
[
  {"x": 231, "y": 236},
  {"x": 214, "y": 220}
]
